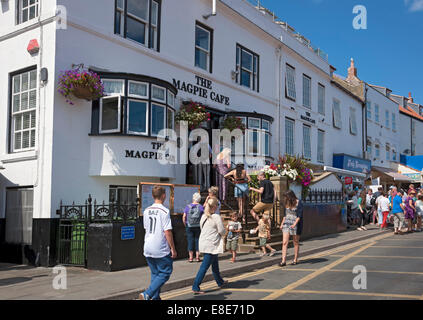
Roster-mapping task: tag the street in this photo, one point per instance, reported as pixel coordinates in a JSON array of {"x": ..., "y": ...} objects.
[{"x": 393, "y": 267}]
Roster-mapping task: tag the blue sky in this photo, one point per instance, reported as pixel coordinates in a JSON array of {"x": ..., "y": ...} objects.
[{"x": 389, "y": 53}]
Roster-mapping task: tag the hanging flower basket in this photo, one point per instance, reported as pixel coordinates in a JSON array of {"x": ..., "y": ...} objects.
[
  {"x": 232, "y": 123},
  {"x": 194, "y": 113},
  {"x": 80, "y": 84}
]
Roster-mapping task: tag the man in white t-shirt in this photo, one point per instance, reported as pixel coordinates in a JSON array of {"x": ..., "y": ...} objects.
[
  {"x": 383, "y": 203},
  {"x": 159, "y": 248}
]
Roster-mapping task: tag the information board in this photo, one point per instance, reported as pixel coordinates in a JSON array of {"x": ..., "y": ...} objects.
[
  {"x": 182, "y": 196},
  {"x": 127, "y": 233},
  {"x": 147, "y": 198}
]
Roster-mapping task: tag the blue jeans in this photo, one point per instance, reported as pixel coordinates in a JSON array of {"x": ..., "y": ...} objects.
[
  {"x": 161, "y": 269},
  {"x": 209, "y": 259},
  {"x": 193, "y": 235}
]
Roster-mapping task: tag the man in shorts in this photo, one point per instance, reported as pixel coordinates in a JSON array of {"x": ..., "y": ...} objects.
[{"x": 268, "y": 196}]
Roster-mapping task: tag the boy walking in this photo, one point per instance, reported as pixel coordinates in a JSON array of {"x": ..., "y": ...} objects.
[
  {"x": 234, "y": 228},
  {"x": 263, "y": 229},
  {"x": 159, "y": 248}
]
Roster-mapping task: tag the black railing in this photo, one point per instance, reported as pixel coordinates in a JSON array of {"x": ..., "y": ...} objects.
[{"x": 323, "y": 196}]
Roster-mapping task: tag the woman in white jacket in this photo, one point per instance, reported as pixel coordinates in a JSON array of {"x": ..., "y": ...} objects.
[{"x": 210, "y": 244}]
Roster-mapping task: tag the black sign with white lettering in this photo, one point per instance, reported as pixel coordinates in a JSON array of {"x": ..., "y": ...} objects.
[{"x": 202, "y": 88}]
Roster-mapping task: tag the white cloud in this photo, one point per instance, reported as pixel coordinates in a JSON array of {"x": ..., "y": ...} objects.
[{"x": 414, "y": 5}]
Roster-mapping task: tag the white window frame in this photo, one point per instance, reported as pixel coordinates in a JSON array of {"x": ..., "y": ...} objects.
[
  {"x": 164, "y": 119},
  {"x": 21, "y": 112},
  {"x": 156, "y": 99},
  {"x": 290, "y": 82},
  {"x": 321, "y": 92},
  {"x": 320, "y": 147},
  {"x": 147, "y": 116},
  {"x": 170, "y": 94},
  {"x": 353, "y": 122},
  {"x": 369, "y": 110},
  {"x": 141, "y": 20},
  {"x": 287, "y": 137},
  {"x": 122, "y": 18},
  {"x": 120, "y": 98},
  {"x": 264, "y": 134},
  {"x": 28, "y": 7},
  {"x": 254, "y": 72},
  {"x": 387, "y": 119},
  {"x": 335, "y": 112},
  {"x": 252, "y": 131},
  {"x": 268, "y": 125},
  {"x": 115, "y": 93},
  {"x": 258, "y": 119},
  {"x": 377, "y": 109},
  {"x": 208, "y": 52},
  {"x": 306, "y": 96},
  {"x": 170, "y": 110},
  {"x": 304, "y": 142},
  {"x": 154, "y": 28},
  {"x": 135, "y": 95}
]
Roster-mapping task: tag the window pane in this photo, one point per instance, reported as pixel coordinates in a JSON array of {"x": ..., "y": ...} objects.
[
  {"x": 290, "y": 82},
  {"x": 321, "y": 99},
  {"x": 32, "y": 99},
  {"x": 32, "y": 138},
  {"x": 33, "y": 79},
  {"x": 26, "y": 120},
  {"x": 170, "y": 116},
  {"x": 24, "y": 15},
  {"x": 113, "y": 86},
  {"x": 16, "y": 103},
  {"x": 266, "y": 125},
  {"x": 158, "y": 93},
  {"x": 201, "y": 58},
  {"x": 320, "y": 146},
  {"x": 33, "y": 119},
  {"x": 154, "y": 13},
  {"x": 266, "y": 144},
  {"x": 245, "y": 78},
  {"x": 306, "y": 92},
  {"x": 120, "y": 4},
  {"x": 138, "y": 89},
  {"x": 137, "y": 116},
  {"x": 18, "y": 122},
  {"x": 253, "y": 123},
  {"x": 110, "y": 114},
  {"x": 135, "y": 30},
  {"x": 25, "y": 139},
  {"x": 138, "y": 8},
  {"x": 24, "y": 3},
  {"x": 25, "y": 83},
  {"x": 253, "y": 142},
  {"x": 118, "y": 21},
  {"x": 246, "y": 60},
  {"x": 157, "y": 119},
  {"x": 306, "y": 142},
  {"x": 202, "y": 38},
  {"x": 170, "y": 99},
  {"x": 32, "y": 12},
  {"x": 289, "y": 137},
  {"x": 16, "y": 83},
  {"x": 18, "y": 141},
  {"x": 24, "y": 101}
]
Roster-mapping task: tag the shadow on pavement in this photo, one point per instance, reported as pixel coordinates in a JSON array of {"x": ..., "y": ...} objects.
[{"x": 10, "y": 281}]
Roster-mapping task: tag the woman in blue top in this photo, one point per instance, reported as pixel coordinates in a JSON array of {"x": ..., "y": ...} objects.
[{"x": 191, "y": 219}]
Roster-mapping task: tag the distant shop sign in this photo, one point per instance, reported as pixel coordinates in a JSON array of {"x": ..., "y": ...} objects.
[
  {"x": 348, "y": 180},
  {"x": 346, "y": 162}
]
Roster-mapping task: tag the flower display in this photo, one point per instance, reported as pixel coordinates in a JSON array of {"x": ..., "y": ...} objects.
[
  {"x": 81, "y": 84},
  {"x": 194, "y": 113},
  {"x": 233, "y": 123}
]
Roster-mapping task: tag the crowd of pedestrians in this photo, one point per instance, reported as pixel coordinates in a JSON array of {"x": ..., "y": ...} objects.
[
  {"x": 403, "y": 209},
  {"x": 206, "y": 233}
]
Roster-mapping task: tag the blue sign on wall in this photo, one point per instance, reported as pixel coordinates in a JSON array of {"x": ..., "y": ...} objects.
[
  {"x": 127, "y": 233},
  {"x": 346, "y": 162}
]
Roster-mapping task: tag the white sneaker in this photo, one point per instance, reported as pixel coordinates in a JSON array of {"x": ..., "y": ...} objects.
[
  {"x": 359, "y": 229},
  {"x": 364, "y": 228}
]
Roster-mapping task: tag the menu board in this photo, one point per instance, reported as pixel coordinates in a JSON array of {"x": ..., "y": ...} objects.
[
  {"x": 183, "y": 196},
  {"x": 147, "y": 198}
]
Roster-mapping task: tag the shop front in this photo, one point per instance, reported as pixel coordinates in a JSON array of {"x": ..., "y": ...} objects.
[
  {"x": 388, "y": 177},
  {"x": 352, "y": 170}
]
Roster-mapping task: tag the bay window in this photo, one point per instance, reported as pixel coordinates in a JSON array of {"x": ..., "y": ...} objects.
[
  {"x": 247, "y": 67},
  {"x": 23, "y": 111},
  {"x": 139, "y": 20},
  {"x": 134, "y": 105}
]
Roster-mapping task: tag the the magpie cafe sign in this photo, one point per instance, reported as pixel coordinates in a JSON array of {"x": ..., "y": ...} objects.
[
  {"x": 307, "y": 117},
  {"x": 202, "y": 88},
  {"x": 145, "y": 154}
]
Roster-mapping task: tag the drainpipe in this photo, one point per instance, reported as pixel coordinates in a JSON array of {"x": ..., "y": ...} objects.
[
  {"x": 279, "y": 75},
  {"x": 214, "y": 4},
  {"x": 365, "y": 121}
]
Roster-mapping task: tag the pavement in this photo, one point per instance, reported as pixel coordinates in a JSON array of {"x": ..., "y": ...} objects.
[
  {"x": 19, "y": 282},
  {"x": 385, "y": 267}
]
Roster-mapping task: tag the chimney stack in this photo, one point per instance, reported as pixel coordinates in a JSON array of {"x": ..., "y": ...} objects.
[
  {"x": 410, "y": 98},
  {"x": 352, "y": 74}
]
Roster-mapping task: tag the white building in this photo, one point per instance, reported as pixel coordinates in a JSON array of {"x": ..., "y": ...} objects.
[{"x": 151, "y": 55}]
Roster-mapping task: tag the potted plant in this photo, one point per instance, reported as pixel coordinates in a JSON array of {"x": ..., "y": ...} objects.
[
  {"x": 193, "y": 113},
  {"x": 81, "y": 84}
]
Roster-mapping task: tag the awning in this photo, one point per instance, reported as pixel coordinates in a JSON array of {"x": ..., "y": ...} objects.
[
  {"x": 344, "y": 172},
  {"x": 391, "y": 174}
]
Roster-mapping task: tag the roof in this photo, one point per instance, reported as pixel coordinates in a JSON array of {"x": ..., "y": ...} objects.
[
  {"x": 395, "y": 175},
  {"x": 357, "y": 91},
  {"x": 408, "y": 111}
]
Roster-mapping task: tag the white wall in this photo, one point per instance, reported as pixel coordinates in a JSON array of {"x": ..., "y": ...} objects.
[{"x": 378, "y": 131}]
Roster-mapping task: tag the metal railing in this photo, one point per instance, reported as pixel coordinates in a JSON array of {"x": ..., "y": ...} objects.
[{"x": 322, "y": 196}]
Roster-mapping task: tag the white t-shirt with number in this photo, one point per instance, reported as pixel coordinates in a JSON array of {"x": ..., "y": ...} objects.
[{"x": 156, "y": 222}]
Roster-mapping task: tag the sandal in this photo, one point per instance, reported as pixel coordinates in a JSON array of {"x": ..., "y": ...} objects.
[
  {"x": 190, "y": 260},
  {"x": 282, "y": 264},
  {"x": 293, "y": 263},
  {"x": 197, "y": 260}
]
